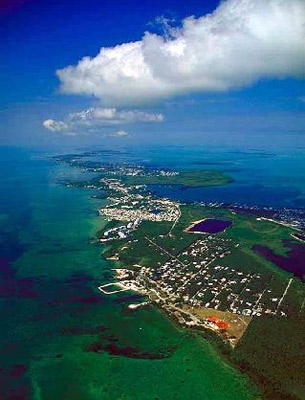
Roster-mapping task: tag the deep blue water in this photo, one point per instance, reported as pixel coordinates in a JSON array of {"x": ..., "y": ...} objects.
[
  {"x": 261, "y": 177},
  {"x": 242, "y": 194},
  {"x": 268, "y": 172}
]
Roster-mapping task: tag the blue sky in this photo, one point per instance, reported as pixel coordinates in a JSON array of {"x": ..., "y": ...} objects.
[{"x": 196, "y": 97}]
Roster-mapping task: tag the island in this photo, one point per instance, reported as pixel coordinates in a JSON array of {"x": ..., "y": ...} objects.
[{"x": 200, "y": 264}]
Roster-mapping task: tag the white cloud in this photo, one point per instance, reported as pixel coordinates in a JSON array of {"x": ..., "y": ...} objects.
[
  {"x": 93, "y": 119},
  {"x": 241, "y": 42},
  {"x": 119, "y": 133},
  {"x": 104, "y": 116},
  {"x": 54, "y": 126}
]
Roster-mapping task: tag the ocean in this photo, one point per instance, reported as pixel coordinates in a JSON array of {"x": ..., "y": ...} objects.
[{"x": 60, "y": 337}]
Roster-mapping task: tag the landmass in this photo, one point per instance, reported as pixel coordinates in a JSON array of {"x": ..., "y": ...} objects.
[
  {"x": 209, "y": 276},
  {"x": 184, "y": 178}
]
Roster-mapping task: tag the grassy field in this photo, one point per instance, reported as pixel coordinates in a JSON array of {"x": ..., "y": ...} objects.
[
  {"x": 250, "y": 231},
  {"x": 138, "y": 250},
  {"x": 237, "y": 324}
]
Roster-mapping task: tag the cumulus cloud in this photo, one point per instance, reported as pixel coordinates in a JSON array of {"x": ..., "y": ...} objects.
[
  {"x": 241, "y": 42},
  {"x": 93, "y": 119}
]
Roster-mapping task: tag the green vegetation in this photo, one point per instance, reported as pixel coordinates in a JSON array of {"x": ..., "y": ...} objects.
[
  {"x": 246, "y": 230},
  {"x": 185, "y": 178},
  {"x": 191, "y": 213},
  {"x": 250, "y": 231},
  {"x": 272, "y": 351},
  {"x": 138, "y": 250},
  {"x": 179, "y": 239},
  {"x": 245, "y": 260}
]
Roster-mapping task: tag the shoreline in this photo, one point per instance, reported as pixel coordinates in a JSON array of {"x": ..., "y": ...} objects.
[{"x": 184, "y": 317}]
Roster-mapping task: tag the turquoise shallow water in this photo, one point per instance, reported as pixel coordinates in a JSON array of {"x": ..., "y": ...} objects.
[{"x": 60, "y": 338}]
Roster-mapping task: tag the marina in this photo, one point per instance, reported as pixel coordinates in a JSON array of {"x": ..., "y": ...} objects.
[{"x": 114, "y": 287}]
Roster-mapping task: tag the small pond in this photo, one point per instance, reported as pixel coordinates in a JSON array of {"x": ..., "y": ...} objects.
[{"x": 210, "y": 226}]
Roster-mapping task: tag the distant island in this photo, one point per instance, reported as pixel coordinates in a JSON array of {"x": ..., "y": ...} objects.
[
  {"x": 184, "y": 178},
  {"x": 215, "y": 279}
]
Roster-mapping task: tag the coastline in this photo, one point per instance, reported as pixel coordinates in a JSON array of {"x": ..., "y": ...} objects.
[{"x": 183, "y": 316}]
